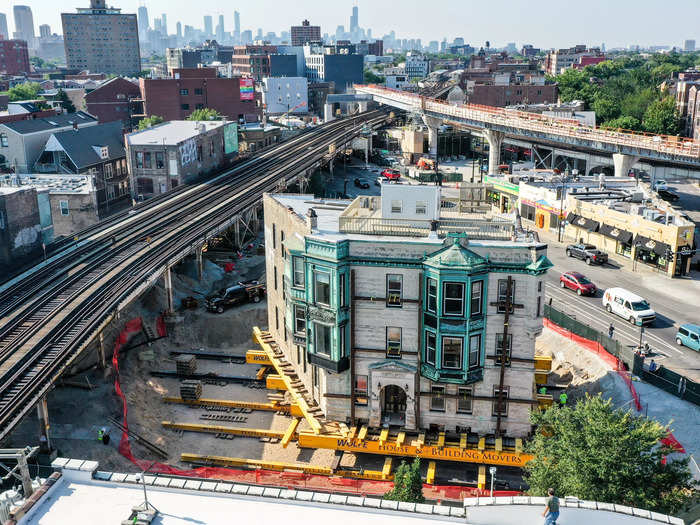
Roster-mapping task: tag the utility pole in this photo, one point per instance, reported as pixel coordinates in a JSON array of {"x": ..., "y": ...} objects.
[
  {"x": 561, "y": 201},
  {"x": 20, "y": 455}
]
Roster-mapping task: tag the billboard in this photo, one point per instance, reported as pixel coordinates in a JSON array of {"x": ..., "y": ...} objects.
[
  {"x": 246, "y": 86},
  {"x": 231, "y": 138}
]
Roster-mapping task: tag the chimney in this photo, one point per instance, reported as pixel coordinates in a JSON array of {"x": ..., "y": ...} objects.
[{"x": 312, "y": 219}]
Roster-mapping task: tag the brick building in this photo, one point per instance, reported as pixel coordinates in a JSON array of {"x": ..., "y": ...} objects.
[
  {"x": 560, "y": 60},
  {"x": 262, "y": 61},
  {"x": 175, "y": 98},
  {"x": 511, "y": 94},
  {"x": 14, "y": 57},
  {"x": 115, "y": 99},
  {"x": 305, "y": 33}
]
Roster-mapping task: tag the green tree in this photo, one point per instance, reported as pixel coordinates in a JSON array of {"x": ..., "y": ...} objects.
[
  {"x": 66, "y": 103},
  {"x": 372, "y": 78},
  {"x": 408, "y": 485},
  {"x": 26, "y": 91},
  {"x": 623, "y": 123},
  {"x": 662, "y": 117},
  {"x": 596, "y": 452},
  {"x": 205, "y": 114},
  {"x": 605, "y": 109},
  {"x": 147, "y": 122}
]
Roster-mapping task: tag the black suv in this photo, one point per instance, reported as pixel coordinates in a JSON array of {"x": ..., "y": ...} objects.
[
  {"x": 587, "y": 252},
  {"x": 668, "y": 196},
  {"x": 240, "y": 293},
  {"x": 361, "y": 184}
]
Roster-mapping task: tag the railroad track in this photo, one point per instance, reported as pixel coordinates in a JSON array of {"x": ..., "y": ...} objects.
[{"x": 41, "y": 334}]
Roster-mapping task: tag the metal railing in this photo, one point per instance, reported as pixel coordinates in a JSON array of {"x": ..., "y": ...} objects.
[
  {"x": 474, "y": 228},
  {"x": 684, "y": 148}
]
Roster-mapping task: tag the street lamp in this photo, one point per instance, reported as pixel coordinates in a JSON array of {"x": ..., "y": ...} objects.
[
  {"x": 564, "y": 180},
  {"x": 492, "y": 471}
]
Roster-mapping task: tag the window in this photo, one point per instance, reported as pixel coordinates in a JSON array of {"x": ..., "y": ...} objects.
[
  {"x": 109, "y": 171},
  {"x": 453, "y": 299},
  {"x": 393, "y": 341},
  {"x": 275, "y": 272},
  {"x": 184, "y": 92},
  {"x": 274, "y": 236},
  {"x": 160, "y": 160},
  {"x": 464, "y": 400},
  {"x": 198, "y": 91},
  {"x": 394, "y": 288},
  {"x": 64, "y": 207},
  {"x": 452, "y": 352},
  {"x": 437, "y": 398},
  {"x": 185, "y": 106},
  {"x": 322, "y": 288},
  {"x": 396, "y": 206},
  {"x": 502, "y": 291},
  {"x": 474, "y": 350},
  {"x": 284, "y": 254},
  {"x": 361, "y": 389},
  {"x": 2, "y": 220},
  {"x": 527, "y": 212},
  {"x": 475, "y": 305},
  {"x": 539, "y": 306},
  {"x": 314, "y": 374},
  {"x": 147, "y": 160},
  {"x": 539, "y": 286},
  {"x": 430, "y": 344},
  {"x": 499, "y": 348},
  {"x": 322, "y": 339},
  {"x": 199, "y": 106},
  {"x": 211, "y": 148},
  {"x": 421, "y": 207},
  {"x": 341, "y": 290},
  {"x": 277, "y": 319},
  {"x": 341, "y": 340},
  {"x": 298, "y": 272},
  {"x": 431, "y": 291},
  {"x": 502, "y": 407},
  {"x": 139, "y": 159},
  {"x": 3, "y": 140}
]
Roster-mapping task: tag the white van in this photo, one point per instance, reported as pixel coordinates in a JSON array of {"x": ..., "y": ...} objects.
[{"x": 629, "y": 306}]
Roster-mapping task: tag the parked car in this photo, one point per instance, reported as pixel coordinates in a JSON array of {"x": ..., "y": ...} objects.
[
  {"x": 242, "y": 292},
  {"x": 689, "y": 335},
  {"x": 668, "y": 196},
  {"x": 359, "y": 183},
  {"x": 577, "y": 282},
  {"x": 660, "y": 185},
  {"x": 587, "y": 252},
  {"x": 629, "y": 306},
  {"x": 391, "y": 174}
]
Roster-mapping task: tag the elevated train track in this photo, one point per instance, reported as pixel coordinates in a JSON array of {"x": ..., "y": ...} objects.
[{"x": 50, "y": 314}]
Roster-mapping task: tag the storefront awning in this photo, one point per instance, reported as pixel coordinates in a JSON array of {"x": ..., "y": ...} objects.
[
  {"x": 620, "y": 235},
  {"x": 571, "y": 217},
  {"x": 645, "y": 243},
  {"x": 586, "y": 224}
]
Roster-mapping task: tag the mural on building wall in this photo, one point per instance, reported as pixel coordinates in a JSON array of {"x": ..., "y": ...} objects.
[
  {"x": 231, "y": 138},
  {"x": 246, "y": 87},
  {"x": 188, "y": 152}
]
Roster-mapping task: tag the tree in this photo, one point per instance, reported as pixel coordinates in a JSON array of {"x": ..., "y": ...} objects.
[
  {"x": 408, "y": 485},
  {"x": 623, "y": 123},
  {"x": 26, "y": 91},
  {"x": 66, "y": 103},
  {"x": 205, "y": 114},
  {"x": 372, "y": 78},
  {"x": 147, "y": 122},
  {"x": 596, "y": 452},
  {"x": 662, "y": 117}
]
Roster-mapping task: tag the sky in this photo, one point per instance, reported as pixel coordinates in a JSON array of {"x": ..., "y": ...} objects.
[{"x": 543, "y": 23}]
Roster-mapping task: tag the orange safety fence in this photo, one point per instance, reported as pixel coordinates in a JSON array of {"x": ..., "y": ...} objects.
[{"x": 292, "y": 480}]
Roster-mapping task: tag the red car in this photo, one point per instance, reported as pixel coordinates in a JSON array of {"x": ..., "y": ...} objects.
[
  {"x": 577, "y": 282},
  {"x": 391, "y": 174}
]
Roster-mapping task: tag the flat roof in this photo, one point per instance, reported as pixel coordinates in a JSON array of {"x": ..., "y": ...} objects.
[
  {"x": 173, "y": 132},
  {"x": 52, "y": 183}
]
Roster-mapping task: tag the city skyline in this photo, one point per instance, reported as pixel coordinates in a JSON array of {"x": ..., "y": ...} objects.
[{"x": 500, "y": 22}]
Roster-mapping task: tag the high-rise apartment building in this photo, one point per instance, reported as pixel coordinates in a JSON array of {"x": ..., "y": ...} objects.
[
  {"x": 14, "y": 57},
  {"x": 44, "y": 30},
  {"x": 208, "y": 26},
  {"x": 164, "y": 24},
  {"x": 4, "y": 32},
  {"x": 102, "y": 40},
  {"x": 220, "y": 29},
  {"x": 689, "y": 46},
  {"x": 305, "y": 33},
  {"x": 24, "y": 23}
]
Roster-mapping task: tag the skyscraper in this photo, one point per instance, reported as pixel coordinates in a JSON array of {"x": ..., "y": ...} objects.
[
  {"x": 220, "y": 29},
  {"x": 102, "y": 40},
  {"x": 164, "y": 24},
  {"x": 236, "y": 27},
  {"x": 144, "y": 25},
  {"x": 24, "y": 23},
  {"x": 44, "y": 30},
  {"x": 208, "y": 26},
  {"x": 354, "y": 22},
  {"x": 4, "y": 33},
  {"x": 178, "y": 30}
]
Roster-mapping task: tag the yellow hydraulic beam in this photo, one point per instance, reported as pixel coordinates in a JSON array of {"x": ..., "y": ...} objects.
[
  {"x": 363, "y": 433},
  {"x": 383, "y": 436},
  {"x": 275, "y": 382},
  {"x": 386, "y": 470},
  {"x": 482, "y": 444},
  {"x": 254, "y": 463},
  {"x": 272, "y": 407},
  {"x": 365, "y": 474},
  {"x": 220, "y": 429},
  {"x": 498, "y": 444},
  {"x": 296, "y": 396},
  {"x": 430, "y": 478},
  {"x": 290, "y": 432},
  {"x": 260, "y": 375},
  {"x": 482, "y": 477},
  {"x": 401, "y": 439},
  {"x": 352, "y": 433},
  {"x": 463, "y": 441},
  {"x": 543, "y": 363},
  {"x": 441, "y": 440},
  {"x": 541, "y": 378},
  {"x": 545, "y": 401},
  {"x": 257, "y": 357},
  {"x": 421, "y": 439}
]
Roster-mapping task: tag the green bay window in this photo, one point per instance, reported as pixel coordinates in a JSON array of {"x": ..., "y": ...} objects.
[
  {"x": 431, "y": 295},
  {"x": 452, "y": 352},
  {"x": 476, "y": 297},
  {"x": 322, "y": 339},
  {"x": 430, "y": 346},
  {"x": 474, "y": 350},
  {"x": 322, "y": 288},
  {"x": 453, "y": 299},
  {"x": 298, "y": 272}
]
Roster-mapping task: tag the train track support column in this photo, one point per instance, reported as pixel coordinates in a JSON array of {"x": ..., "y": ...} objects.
[
  {"x": 623, "y": 163},
  {"x": 200, "y": 262},
  {"x": 168, "y": 289},
  {"x": 433, "y": 124},
  {"x": 42, "y": 410},
  {"x": 495, "y": 140}
]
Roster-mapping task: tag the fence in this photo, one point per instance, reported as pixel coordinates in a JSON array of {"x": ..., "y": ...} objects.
[{"x": 663, "y": 378}]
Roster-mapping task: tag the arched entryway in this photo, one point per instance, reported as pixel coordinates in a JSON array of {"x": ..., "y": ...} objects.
[{"x": 393, "y": 403}]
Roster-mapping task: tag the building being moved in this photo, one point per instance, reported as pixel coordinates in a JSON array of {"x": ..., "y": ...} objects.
[{"x": 396, "y": 310}]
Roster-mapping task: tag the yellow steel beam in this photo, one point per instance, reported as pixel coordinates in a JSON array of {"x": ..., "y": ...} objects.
[
  {"x": 225, "y": 461},
  {"x": 388, "y": 448},
  {"x": 221, "y": 429},
  {"x": 363, "y": 433},
  {"x": 430, "y": 478},
  {"x": 482, "y": 477},
  {"x": 383, "y": 436},
  {"x": 543, "y": 363},
  {"x": 257, "y": 357},
  {"x": 482, "y": 444},
  {"x": 421, "y": 439},
  {"x": 518, "y": 445},
  {"x": 272, "y": 407},
  {"x": 275, "y": 382},
  {"x": 498, "y": 445},
  {"x": 463, "y": 441},
  {"x": 401, "y": 439},
  {"x": 259, "y": 338},
  {"x": 541, "y": 378},
  {"x": 386, "y": 470},
  {"x": 365, "y": 474},
  {"x": 545, "y": 400},
  {"x": 441, "y": 440},
  {"x": 352, "y": 433},
  {"x": 290, "y": 432},
  {"x": 260, "y": 375}
]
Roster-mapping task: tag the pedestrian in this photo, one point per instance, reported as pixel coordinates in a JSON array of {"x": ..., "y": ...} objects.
[
  {"x": 100, "y": 434},
  {"x": 103, "y": 436},
  {"x": 563, "y": 398},
  {"x": 543, "y": 390},
  {"x": 653, "y": 367},
  {"x": 611, "y": 331},
  {"x": 551, "y": 509}
]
